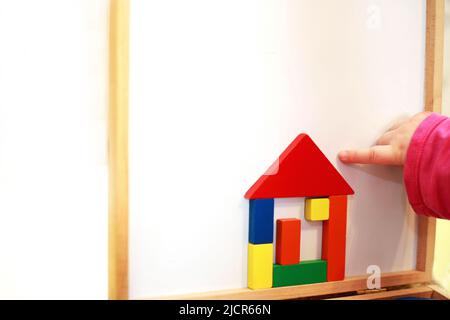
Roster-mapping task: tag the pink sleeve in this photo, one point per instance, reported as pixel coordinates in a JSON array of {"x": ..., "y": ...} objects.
[{"x": 427, "y": 168}]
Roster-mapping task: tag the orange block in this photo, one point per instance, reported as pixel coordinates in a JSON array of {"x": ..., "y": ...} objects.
[
  {"x": 288, "y": 241},
  {"x": 334, "y": 237}
]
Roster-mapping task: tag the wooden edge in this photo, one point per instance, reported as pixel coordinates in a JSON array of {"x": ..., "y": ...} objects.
[
  {"x": 417, "y": 292},
  {"x": 425, "y": 247},
  {"x": 303, "y": 291},
  {"x": 118, "y": 149},
  {"x": 439, "y": 293},
  {"x": 434, "y": 53}
]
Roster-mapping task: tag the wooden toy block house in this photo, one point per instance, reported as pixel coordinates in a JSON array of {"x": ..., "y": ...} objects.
[{"x": 302, "y": 171}]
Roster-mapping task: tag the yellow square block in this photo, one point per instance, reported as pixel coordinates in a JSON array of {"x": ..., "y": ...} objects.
[
  {"x": 317, "y": 209},
  {"x": 260, "y": 266}
]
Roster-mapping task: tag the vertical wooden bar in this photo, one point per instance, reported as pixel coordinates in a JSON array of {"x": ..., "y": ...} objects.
[
  {"x": 118, "y": 149},
  {"x": 425, "y": 249},
  {"x": 434, "y": 55},
  {"x": 433, "y": 102}
]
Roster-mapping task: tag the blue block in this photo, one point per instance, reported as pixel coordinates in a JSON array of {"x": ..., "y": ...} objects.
[{"x": 261, "y": 221}]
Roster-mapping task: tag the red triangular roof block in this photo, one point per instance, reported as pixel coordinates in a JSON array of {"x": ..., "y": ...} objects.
[{"x": 302, "y": 170}]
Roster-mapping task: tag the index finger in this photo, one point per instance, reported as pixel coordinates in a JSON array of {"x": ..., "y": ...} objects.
[{"x": 375, "y": 155}]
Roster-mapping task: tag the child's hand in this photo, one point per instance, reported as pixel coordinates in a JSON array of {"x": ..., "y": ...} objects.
[{"x": 391, "y": 148}]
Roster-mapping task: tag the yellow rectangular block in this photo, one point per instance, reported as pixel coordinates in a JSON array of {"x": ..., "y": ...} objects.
[
  {"x": 317, "y": 209},
  {"x": 260, "y": 266}
]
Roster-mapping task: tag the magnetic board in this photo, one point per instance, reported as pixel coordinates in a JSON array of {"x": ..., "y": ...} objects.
[{"x": 218, "y": 89}]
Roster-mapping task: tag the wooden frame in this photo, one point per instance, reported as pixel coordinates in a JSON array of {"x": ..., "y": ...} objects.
[
  {"x": 418, "y": 292},
  {"x": 118, "y": 153},
  {"x": 118, "y": 149}
]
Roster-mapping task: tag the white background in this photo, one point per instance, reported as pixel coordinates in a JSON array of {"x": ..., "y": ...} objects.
[
  {"x": 220, "y": 88},
  {"x": 53, "y": 174}
]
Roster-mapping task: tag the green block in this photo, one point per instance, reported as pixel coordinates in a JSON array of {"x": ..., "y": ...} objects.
[{"x": 306, "y": 272}]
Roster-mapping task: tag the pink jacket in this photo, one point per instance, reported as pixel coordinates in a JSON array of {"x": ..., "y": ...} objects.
[{"x": 427, "y": 168}]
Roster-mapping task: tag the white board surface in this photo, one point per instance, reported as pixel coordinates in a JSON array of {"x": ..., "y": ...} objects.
[{"x": 220, "y": 88}]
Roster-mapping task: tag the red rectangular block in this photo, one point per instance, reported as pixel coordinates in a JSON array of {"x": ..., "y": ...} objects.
[
  {"x": 288, "y": 241},
  {"x": 334, "y": 238}
]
